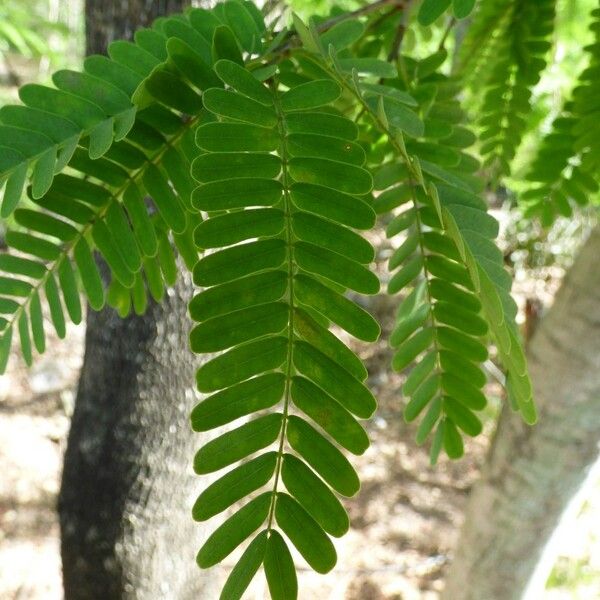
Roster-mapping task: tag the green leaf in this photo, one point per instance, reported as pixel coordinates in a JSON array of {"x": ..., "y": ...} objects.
[
  {"x": 243, "y": 81},
  {"x": 217, "y": 166},
  {"x": 338, "y": 176},
  {"x": 224, "y": 46},
  {"x": 235, "y": 227},
  {"x": 465, "y": 345},
  {"x": 166, "y": 258},
  {"x": 13, "y": 190},
  {"x": 335, "y": 307},
  {"x": 239, "y": 294},
  {"x": 405, "y": 275},
  {"x": 235, "y": 262},
  {"x": 463, "y": 368},
  {"x": 109, "y": 249},
  {"x": 368, "y": 66},
  {"x": 245, "y": 569},
  {"x": 331, "y": 204},
  {"x": 327, "y": 343},
  {"x": 465, "y": 393},
  {"x": 411, "y": 348},
  {"x": 320, "y": 146},
  {"x": 25, "y": 339},
  {"x": 242, "y": 363},
  {"x": 43, "y": 173},
  {"x": 240, "y": 326},
  {"x": 90, "y": 277},
  {"x": 429, "y": 421},
  {"x": 21, "y": 266},
  {"x": 308, "y": 41},
  {"x": 234, "y": 531},
  {"x": 33, "y": 245},
  {"x": 37, "y": 323},
  {"x": 234, "y": 486},
  {"x": 335, "y": 267},
  {"x": 421, "y": 397},
  {"x": 14, "y": 287},
  {"x": 463, "y": 417},
  {"x": 236, "y": 137},
  {"x": 329, "y": 414},
  {"x": 238, "y": 443},
  {"x": 462, "y": 8},
  {"x": 279, "y": 569},
  {"x": 337, "y": 382},
  {"x": 55, "y": 306},
  {"x": 305, "y": 533},
  {"x": 5, "y": 344},
  {"x": 243, "y": 25},
  {"x": 101, "y": 138},
  {"x": 236, "y": 193},
  {"x": 323, "y": 456},
  {"x": 166, "y": 201},
  {"x": 68, "y": 284},
  {"x": 343, "y": 34},
  {"x": 236, "y": 106},
  {"x": 140, "y": 220},
  {"x": 401, "y": 117},
  {"x": 237, "y": 401},
  {"x": 314, "y": 496},
  {"x": 453, "y": 444},
  {"x": 321, "y": 123},
  {"x": 310, "y": 95},
  {"x": 118, "y": 225}
]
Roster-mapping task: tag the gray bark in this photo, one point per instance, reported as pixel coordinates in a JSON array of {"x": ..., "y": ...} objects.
[
  {"x": 532, "y": 473},
  {"x": 108, "y": 20},
  {"x": 127, "y": 485}
]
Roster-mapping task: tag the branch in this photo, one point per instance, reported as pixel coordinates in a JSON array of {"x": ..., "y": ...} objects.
[{"x": 292, "y": 37}]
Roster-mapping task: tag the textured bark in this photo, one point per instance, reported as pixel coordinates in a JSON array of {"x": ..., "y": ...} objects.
[
  {"x": 108, "y": 20},
  {"x": 128, "y": 486},
  {"x": 532, "y": 473}
]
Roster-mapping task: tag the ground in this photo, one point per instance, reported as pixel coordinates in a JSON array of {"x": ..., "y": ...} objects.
[{"x": 405, "y": 520}]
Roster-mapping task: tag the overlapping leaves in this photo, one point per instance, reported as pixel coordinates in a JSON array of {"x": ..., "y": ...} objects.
[
  {"x": 282, "y": 185},
  {"x": 68, "y": 218},
  {"x": 461, "y": 294},
  {"x": 565, "y": 170},
  {"x": 431, "y": 10},
  {"x": 522, "y": 45}
]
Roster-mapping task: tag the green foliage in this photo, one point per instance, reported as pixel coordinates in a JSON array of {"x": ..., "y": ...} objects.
[
  {"x": 261, "y": 157},
  {"x": 523, "y": 41},
  {"x": 565, "y": 169},
  {"x": 25, "y": 29},
  {"x": 431, "y": 10},
  {"x": 280, "y": 288}
]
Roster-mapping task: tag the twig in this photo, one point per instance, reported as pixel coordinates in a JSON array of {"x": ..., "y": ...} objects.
[
  {"x": 397, "y": 42},
  {"x": 292, "y": 37},
  {"x": 363, "y": 10},
  {"x": 447, "y": 31}
]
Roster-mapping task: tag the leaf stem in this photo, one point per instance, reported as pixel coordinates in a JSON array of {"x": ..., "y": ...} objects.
[{"x": 289, "y": 367}]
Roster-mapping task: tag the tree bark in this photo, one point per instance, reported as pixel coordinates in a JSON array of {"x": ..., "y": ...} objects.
[
  {"x": 127, "y": 485},
  {"x": 532, "y": 473},
  {"x": 108, "y": 20}
]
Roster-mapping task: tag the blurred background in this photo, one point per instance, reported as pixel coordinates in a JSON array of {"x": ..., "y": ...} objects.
[{"x": 407, "y": 517}]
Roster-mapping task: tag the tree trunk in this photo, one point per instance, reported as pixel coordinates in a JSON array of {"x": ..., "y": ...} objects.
[
  {"x": 108, "y": 20},
  {"x": 127, "y": 485},
  {"x": 532, "y": 473}
]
